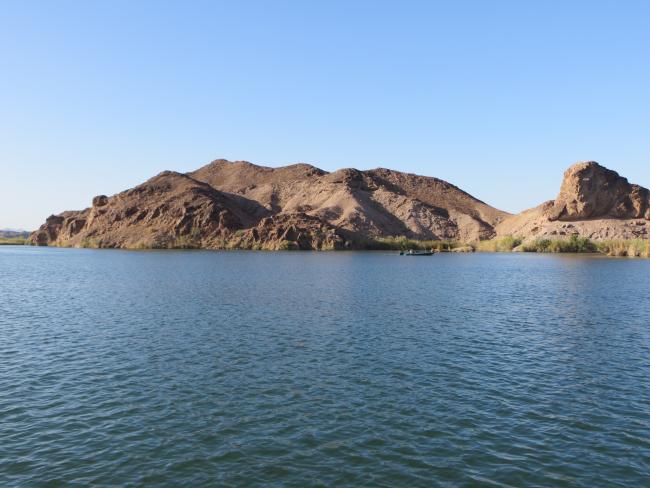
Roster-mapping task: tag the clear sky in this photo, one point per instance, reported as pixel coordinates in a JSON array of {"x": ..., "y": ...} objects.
[{"x": 495, "y": 97}]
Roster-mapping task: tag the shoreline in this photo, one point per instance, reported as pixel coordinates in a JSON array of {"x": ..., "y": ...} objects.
[
  {"x": 639, "y": 248},
  {"x": 14, "y": 241}
]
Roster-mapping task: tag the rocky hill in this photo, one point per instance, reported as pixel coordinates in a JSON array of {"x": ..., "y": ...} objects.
[
  {"x": 593, "y": 202},
  {"x": 241, "y": 205}
]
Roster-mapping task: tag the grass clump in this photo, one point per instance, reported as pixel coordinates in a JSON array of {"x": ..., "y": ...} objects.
[
  {"x": 502, "y": 244},
  {"x": 13, "y": 241},
  {"x": 90, "y": 243},
  {"x": 401, "y": 243},
  {"x": 185, "y": 242},
  {"x": 630, "y": 248}
]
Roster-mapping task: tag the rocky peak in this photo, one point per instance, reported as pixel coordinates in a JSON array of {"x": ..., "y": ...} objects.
[
  {"x": 100, "y": 201},
  {"x": 590, "y": 191}
]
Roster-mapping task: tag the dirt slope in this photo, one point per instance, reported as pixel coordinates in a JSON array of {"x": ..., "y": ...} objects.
[{"x": 375, "y": 203}]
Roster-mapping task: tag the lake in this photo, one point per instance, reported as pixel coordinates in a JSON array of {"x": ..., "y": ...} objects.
[{"x": 203, "y": 368}]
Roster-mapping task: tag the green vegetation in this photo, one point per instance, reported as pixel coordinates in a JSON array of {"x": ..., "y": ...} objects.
[
  {"x": 13, "y": 241},
  {"x": 502, "y": 244},
  {"x": 404, "y": 244},
  {"x": 90, "y": 243},
  {"x": 630, "y": 248},
  {"x": 574, "y": 244},
  {"x": 186, "y": 242},
  {"x": 284, "y": 246}
]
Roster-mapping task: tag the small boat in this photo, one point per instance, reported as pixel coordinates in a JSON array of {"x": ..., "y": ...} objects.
[{"x": 417, "y": 253}]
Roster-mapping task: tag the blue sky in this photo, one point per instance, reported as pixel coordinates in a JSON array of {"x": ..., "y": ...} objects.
[{"x": 495, "y": 97}]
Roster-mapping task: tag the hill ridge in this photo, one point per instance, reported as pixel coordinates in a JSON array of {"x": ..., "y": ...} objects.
[{"x": 238, "y": 204}]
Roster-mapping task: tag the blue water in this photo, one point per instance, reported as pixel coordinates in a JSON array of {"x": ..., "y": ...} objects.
[{"x": 196, "y": 368}]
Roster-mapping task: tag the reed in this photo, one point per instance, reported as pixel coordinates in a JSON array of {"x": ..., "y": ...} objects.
[
  {"x": 630, "y": 248},
  {"x": 13, "y": 241},
  {"x": 574, "y": 244},
  {"x": 502, "y": 244},
  {"x": 401, "y": 243}
]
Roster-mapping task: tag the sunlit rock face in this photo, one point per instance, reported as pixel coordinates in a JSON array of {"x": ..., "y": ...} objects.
[{"x": 590, "y": 190}]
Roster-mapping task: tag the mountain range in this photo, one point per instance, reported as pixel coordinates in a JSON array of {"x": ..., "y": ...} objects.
[{"x": 240, "y": 205}]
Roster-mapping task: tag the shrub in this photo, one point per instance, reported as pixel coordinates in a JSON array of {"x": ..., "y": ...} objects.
[{"x": 575, "y": 244}]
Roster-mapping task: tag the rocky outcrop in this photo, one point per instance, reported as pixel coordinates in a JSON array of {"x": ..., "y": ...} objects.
[
  {"x": 169, "y": 210},
  {"x": 296, "y": 231},
  {"x": 591, "y": 191},
  {"x": 100, "y": 201},
  {"x": 593, "y": 202}
]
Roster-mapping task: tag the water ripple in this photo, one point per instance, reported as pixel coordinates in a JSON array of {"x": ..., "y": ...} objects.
[{"x": 322, "y": 369}]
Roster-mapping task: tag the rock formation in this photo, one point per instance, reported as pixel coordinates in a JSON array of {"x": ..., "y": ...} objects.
[
  {"x": 228, "y": 205},
  {"x": 593, "y": 202},
  {"x": 241, "y": 205},
  {"x": 168, "y": 210},
  {"x": 590, "y": 191}
]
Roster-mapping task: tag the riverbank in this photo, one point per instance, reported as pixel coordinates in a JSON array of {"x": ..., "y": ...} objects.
[
  {"x": 573, "y": 244},
  {"x": 12, "y": 241}
]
